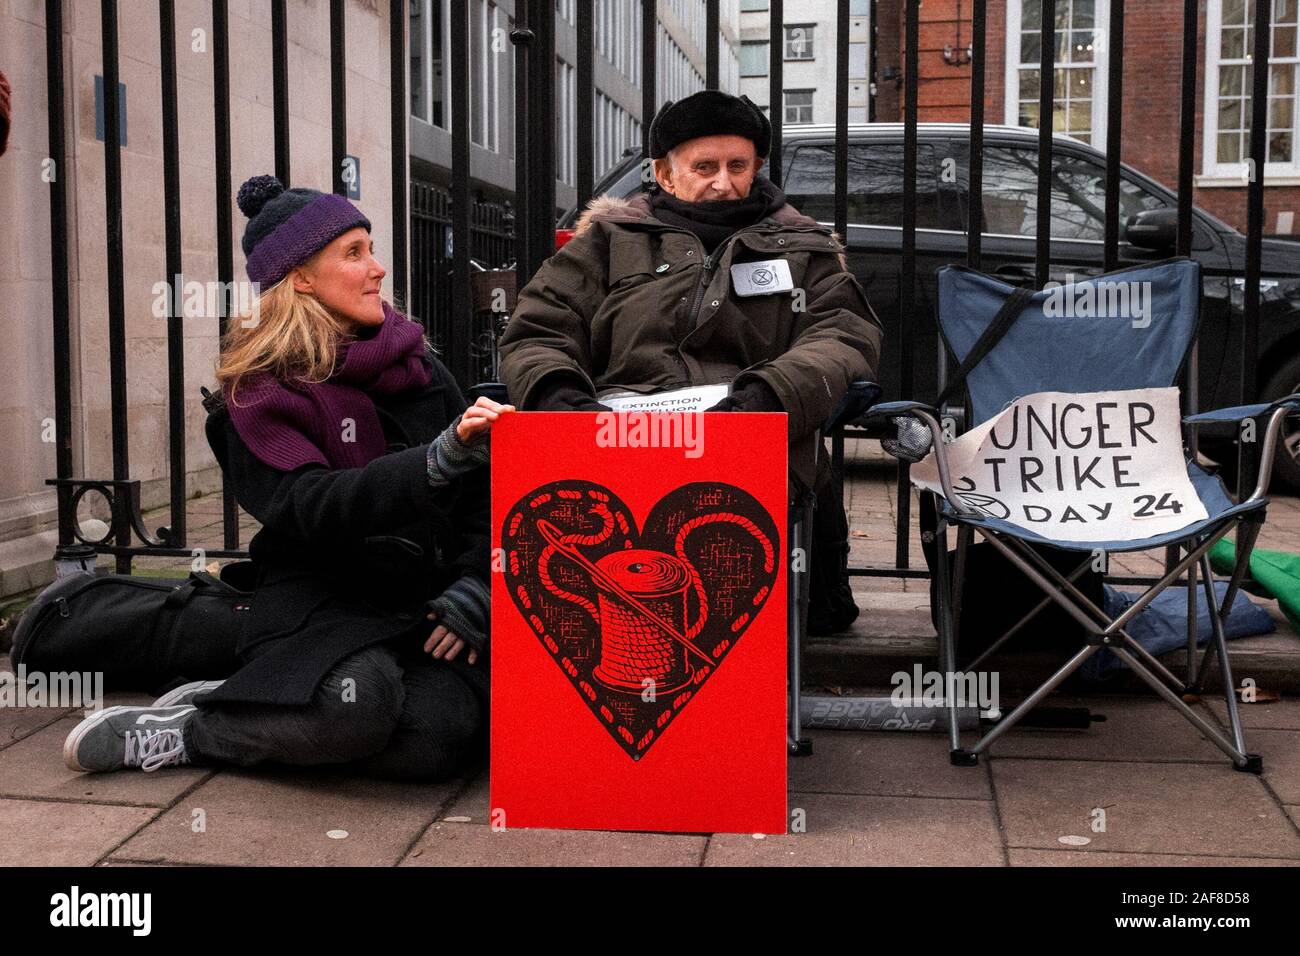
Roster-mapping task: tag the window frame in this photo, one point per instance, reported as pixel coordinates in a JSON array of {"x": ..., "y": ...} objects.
[
  {"x": 1213, "y": 172},
  {"x": 1100, "y": 62},
  {"x": 785, "y": 42},
  {"x": 767, "y": 59},
  {"x": 812, "y": 93}
]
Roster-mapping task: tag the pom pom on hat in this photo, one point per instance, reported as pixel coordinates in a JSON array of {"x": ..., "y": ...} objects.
[
  {"x": 286, "y": 227},
  {"x": 256, "y": 193}
]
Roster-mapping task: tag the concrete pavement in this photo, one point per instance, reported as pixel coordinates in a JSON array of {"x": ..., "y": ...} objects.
[{"x": 1144, "y": 787}]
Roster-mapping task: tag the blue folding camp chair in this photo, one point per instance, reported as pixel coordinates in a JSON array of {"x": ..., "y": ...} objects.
[{"x": 1031, "y": 352}]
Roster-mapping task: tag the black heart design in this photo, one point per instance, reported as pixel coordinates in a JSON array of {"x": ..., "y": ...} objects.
[{"x": 638, "y": 621}]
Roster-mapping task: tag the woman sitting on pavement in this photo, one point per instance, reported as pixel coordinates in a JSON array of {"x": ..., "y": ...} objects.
[{"x": 338, "y": 430}]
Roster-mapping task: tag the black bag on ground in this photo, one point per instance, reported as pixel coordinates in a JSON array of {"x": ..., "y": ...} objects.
[
  {"x": 142, "y": 633},
  {"x": 996, "y": 594}
]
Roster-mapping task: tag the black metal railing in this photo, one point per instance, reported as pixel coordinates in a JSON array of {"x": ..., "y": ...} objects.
[
  {"x": 466, "y": 347},
  {"x": 442, "y": 293}
]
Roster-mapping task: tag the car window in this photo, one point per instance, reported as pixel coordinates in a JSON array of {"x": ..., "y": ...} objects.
[
  {"x": 875, "y": 185},
  {"x": 625, "y": 185},
  {"x": 1010, "y": 195}
]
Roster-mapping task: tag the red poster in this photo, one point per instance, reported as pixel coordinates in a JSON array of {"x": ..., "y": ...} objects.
[{"x": 639, "y": 622}]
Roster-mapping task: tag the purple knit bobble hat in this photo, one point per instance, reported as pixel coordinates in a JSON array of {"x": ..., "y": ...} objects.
[{"x": 286, "y": 227}]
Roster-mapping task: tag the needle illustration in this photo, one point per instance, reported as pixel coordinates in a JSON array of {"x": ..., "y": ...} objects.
[{"x": 554, "y": 538}]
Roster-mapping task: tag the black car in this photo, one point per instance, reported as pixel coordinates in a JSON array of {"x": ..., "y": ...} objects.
[{"x": 1147, "y": 231}]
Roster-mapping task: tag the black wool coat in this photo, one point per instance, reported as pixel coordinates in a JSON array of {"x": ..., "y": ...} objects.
[{"x": 347, "y": 558}]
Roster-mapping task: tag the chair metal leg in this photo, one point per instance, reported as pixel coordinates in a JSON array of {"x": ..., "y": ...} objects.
[
  {"x": 1240, "y": 759},
  {"x": 964, "y": 535},
  {"x": 1112, "y": 634},
  {"x": 1110, "y": 629},
  {"x": 1247, "y": 533},
  {"x": 1115, "y": 627},
  {"x": 947, "y": 649},
  {"x": 797, "y": 602},
  {"x": 1033, "y": 700},
  {"x": 1192, "y": 653},
  {"x": 1019, "y": 625},
  {"x": 1225, "y": 666}
]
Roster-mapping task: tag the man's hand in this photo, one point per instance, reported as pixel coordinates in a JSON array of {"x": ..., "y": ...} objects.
[
  {"x": 566, "y": 393},
  {"x": 444, "y": 645},
  {"x": 754, "y": 396}
]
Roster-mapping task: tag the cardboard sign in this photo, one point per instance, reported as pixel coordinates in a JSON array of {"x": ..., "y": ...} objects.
[
  {"x": 1099, "y": 466},
  {"x": 639, "y": 622},
  {"x": 695, "y": 399}
]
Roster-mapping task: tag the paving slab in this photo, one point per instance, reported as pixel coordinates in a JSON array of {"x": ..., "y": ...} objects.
[
  {"x": 285, "y": 818},
  {"x": 33, "y": 767},
  {"x": 1065, "y": 857},
  {"x": 49, "y": 833},
  {"x": 872, "y": 831},
  {"x": 1134, "y": 729},
  {"x": 885, "y": 764},
  {"x": 1277, "y": 715},
  {"x": 1281, "y": 752},
  {"x": 466, "y": 844},
  {"x": 1192, "y": 809},
  {"x": 470, "y": 805},
  {"x": 17, "y": 722}
]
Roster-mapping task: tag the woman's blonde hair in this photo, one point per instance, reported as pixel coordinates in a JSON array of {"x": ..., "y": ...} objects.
[{"x": 288, "y": 334}]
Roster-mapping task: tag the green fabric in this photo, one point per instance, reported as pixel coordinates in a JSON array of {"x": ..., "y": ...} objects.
[{"x": 1277, "y": 572}]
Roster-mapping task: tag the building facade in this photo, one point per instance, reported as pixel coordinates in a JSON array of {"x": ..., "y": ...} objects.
[
  {"x": 808, "y": 59},
  {"x": 27, "y": 395},
  {"x": 27, "y": 503},
  {"x": 1152, "y": 55},
  {"x": 680, "y": 70}
]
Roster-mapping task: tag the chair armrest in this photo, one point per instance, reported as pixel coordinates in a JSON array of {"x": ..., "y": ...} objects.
[
  {"x": 1239, "y": 413},
  {"x": 493, "y": 390},
  {"x": 861, "y": 396},
  {"x": 930, "y": 417},
  {"x": 887, "y": 411}
]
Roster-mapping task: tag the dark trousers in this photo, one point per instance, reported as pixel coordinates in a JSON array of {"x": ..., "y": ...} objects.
[{"x": 400, "y": 715}]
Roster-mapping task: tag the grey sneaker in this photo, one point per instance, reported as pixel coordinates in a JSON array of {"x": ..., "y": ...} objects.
[
  {"x": 186, "y": 693},
  {"x": 119, "y": 737}
]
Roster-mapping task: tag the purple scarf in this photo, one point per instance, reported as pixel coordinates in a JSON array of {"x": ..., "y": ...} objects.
[{"x": 288, "y": 425}]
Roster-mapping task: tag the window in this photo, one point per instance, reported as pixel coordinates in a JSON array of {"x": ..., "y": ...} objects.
[
  {"x": 1010, "y": 197},
  {"x": 753, "y": 4},
  {"x": 1079, "y": 74},
  {"x": 754, "y": 59},
  {"x": 857, "y": 60},
  {"x": 859, "y": 8},
  {"x": 1230, "y": 39},
  {"x": 565, "y": 107},
  {"x": 798, "y": 106},
  {"x": 427, "y": 94},
  {"x": 799, "y": 41},
  {"x": 875, "y": 185},
  {"x": 419, "y": 56}
]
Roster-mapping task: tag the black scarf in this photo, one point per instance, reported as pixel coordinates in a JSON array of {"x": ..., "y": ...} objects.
[{"x": 714, "y": 220}]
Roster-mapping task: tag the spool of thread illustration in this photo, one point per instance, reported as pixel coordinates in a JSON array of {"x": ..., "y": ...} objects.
[{"x": 633, "y": 647}]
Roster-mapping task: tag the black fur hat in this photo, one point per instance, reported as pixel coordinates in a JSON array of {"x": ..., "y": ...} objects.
[{"x": 709, "y": 113}]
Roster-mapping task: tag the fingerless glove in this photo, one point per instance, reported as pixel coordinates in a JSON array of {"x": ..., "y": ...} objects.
[{"x": 449, "y": 457}]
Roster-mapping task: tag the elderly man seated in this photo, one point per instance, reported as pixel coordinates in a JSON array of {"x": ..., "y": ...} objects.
[{"x": 711, "y": 278}]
